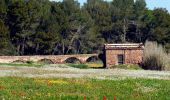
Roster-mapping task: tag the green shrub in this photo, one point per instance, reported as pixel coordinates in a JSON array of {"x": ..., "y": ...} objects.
[
  {"x": 127, "y": 66},
  {"x": 155, "y": 57},
  {"x": 81, "y": 66},
  {"x": 29, "y": 62}
]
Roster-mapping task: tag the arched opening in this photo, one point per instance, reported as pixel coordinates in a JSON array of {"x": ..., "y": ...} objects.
[
  {"x": 72, "y": 60},
  {"x": 46, "y": 61},
  {"x": 92, "y": 59},
  {"x": 94, "y": 62}
]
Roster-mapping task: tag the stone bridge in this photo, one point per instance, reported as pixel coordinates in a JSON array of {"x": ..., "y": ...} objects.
[{"x": 56, "y": 59}]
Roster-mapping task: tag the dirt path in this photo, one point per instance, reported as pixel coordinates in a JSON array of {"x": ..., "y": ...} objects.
[{"x": 63, "y": 71}]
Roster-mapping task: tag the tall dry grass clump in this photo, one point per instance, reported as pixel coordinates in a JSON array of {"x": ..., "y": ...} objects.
[
  {"x": 155, "y": 57},
  {"x": 167, "y": 67}
]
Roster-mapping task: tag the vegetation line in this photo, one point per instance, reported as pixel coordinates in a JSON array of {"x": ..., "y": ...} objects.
[{"x": 43, "y": 27}]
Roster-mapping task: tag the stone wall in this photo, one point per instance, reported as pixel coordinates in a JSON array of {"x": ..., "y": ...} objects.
[
  {"x": 56, "y": 59},
  {"x": 131, "y": 56}
]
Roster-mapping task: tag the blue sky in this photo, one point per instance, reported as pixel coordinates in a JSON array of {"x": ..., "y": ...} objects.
[{"x": 151, "y": 4}]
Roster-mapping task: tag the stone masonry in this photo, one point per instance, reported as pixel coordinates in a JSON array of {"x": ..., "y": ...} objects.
[
  {"x": 116, "y": 54},
  {"x": 56, "y": 59}
]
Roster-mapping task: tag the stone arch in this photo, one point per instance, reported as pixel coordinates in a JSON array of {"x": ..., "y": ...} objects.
[
  {"x": 72, "y": 60},
  {"x": 95, "y": 62},
  {"x": 46, "y": 61},
  {"x": 92, "y": 59}
]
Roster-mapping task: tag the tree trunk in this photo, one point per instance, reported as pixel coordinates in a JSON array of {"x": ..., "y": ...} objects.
[
  {"x": 18, "y": 49},
  {"x": 37, "y": 48},
  {"x": 54, "y": 50},
  {"x": 124, "y": 31},
  {"x": 23, "y": 47},
  {"x": 63, "y": 47}
]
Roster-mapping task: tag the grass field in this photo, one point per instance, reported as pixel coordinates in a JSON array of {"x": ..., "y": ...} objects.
[
  {"x": 87, "y": 65},
  {"x": 33, "y": 64},
  {"x": 22, "y": 64},
  {"x": 100, "y": 65},
  {"x": 80, "y": 66},
  {"x": 15, "y": 88}
]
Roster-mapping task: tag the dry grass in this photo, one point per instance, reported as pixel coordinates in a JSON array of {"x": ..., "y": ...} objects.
[
  {"x": 155, "y": 57},
  {"x": 167, "y": 67}
]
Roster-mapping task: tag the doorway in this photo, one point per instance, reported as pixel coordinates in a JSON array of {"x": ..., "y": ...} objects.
[{"x": 120, "y": 59}]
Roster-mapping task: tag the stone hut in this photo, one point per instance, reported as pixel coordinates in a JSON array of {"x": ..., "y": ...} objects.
[{"x": 116, "y": 54}]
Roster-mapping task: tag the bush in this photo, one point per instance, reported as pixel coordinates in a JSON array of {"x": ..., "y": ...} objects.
[
  {"x": 155, "y": 57},
  {"x": 127, "y": 66},
  {"x": 167, "y": 67},
  {"x": 81, "y": 66},
  {"x": 29, "y": 62}
]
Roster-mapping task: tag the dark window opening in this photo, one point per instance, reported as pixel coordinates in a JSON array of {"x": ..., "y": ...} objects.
[{"x": 120, "y": 59}]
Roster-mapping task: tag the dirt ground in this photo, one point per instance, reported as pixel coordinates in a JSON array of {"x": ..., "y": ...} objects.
[{"x": 63, "y": 71}]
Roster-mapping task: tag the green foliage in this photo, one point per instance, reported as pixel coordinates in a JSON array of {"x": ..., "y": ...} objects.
[
  {"x": 4, "y": 35},
  {"x": 5, "y": 44},
  {"x": 3, "y": 9},
  {"x": 30, "y": 62},
  {"x": 43, "y": 27},
  {"x": 132, "y": 67},
  {"x": 77, "y": 89},
  {"x": 81, "y": 66}
]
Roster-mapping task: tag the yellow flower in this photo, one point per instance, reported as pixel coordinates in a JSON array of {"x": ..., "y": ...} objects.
[
  {"x": 88, "y": 86},
  {"x": 38, "y": 94},
  {"x": 49, "y": 94},
  {"x": 57, "y": 82}
]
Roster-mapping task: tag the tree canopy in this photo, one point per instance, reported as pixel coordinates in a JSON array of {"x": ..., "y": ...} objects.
[{"x": 43, "y": 27}]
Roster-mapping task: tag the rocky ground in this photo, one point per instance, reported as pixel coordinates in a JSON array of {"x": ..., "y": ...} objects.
[{"x": 63, "y": 71}]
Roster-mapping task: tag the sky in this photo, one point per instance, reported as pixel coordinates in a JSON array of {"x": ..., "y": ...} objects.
[{"x": 151, "y": 4}]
